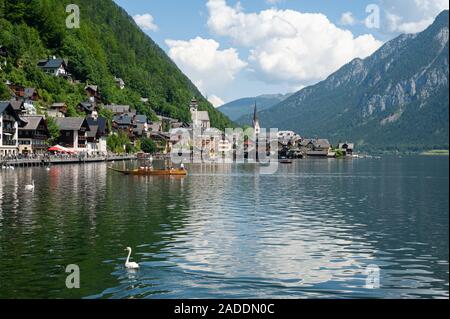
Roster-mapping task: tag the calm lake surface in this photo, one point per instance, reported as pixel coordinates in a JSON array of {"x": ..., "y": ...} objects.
[{"x": 309, "y": 231}]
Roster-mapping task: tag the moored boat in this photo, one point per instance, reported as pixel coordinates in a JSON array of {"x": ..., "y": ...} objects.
[{"x": 143, "y": 171}]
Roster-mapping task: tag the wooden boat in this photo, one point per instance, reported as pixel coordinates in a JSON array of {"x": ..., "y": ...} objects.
[
  {"x": 286, "y": 161},
  {"x": 152, "y": 172}
]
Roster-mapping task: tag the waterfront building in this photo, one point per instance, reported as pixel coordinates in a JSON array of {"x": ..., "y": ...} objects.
[
  {"x": 73, "y": 133},
  {"x": 347, "y": 148},
  {"x": 315, "y": 147},
  {"x": 33, "y": 136},
  {"x": 9, "y": 127},
  {"x": 97, "y": 135}
]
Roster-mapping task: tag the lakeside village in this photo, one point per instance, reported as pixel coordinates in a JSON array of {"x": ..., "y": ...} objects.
[{"x": 26, "y": 133}]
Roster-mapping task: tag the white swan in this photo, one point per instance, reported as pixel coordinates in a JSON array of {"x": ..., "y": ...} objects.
[
  {"x": 30, "y": 187},
  {"x": 128, "y": 264}
]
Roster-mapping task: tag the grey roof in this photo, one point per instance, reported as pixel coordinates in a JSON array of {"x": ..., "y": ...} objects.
[
  {"x": 70, "y": 123},
  {"x": 87, "y": 106},
  {"x": 141, "y": 118},
  {"x": 32, "y": 122},
  {"x": 29, "y": 92},
  {"x": 97, "y": 126},
  {"x": 58, "y": 105},
  {"x": 124, "y": 119},
  {"x": 118, "y": 108},
  {"x": 323, "y": 143},
  {"x": 92, "y": 87},
  {"x": 52, "y": 63},
  {"x": 5, "y": 106},
  {"x": 17, "y": 105},
  {"x": 317, "y": 143}
]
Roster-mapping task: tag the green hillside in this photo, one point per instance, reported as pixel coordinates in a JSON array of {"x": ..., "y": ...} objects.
[{"x": 107, "y": 44}]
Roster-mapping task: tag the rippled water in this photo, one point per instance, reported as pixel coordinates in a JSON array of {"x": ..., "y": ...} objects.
[{"x": 308, "y": 231}]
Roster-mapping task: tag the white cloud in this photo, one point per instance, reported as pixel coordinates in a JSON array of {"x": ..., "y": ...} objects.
[
  {"x": 215, "y": 101},
  {"x": 210, "y": 68},
  {"x": 289, "y": 46},
  {"x": 145, "y": 22},
  {"x": 406, "y": 16},
  {"x": 347, "y": 18}
]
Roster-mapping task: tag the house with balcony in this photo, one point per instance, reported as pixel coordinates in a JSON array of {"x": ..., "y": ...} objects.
[
  {"x": 33, "y": 136},
  {"x": 9, "y": 126},
  {"x": 73, "y": 133},
  {"x": 97, "y": 135},
  {"x": 54, "y": 66}
]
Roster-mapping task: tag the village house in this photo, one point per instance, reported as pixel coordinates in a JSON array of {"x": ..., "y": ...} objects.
[
  {"x": 118, "y": 109},
  {"x": 33, "y": 135},
  {"x": 18, "y": 106},
  {"x": 97, "y": 135},
  {"x": 21, "y": 92},
  {"x": 9, "y": 129},
  {"x": 120, "y": 83},
  {"x": 57, "y": 110},
  {"x": 73, "y": 133},
  {"x": 124, "y": 123},
  {"x": 54, "y": 66},
  {"x": 141, "y": 125},
  {"x": 93, "y": 93},
  {"x": 87, "y": 107},
  {"x": 315, "y": 147},
  {"x": 347, "y": 148}
]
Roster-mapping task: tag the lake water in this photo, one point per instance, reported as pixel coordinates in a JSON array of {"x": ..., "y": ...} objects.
[{"x": 316, "y": 229}]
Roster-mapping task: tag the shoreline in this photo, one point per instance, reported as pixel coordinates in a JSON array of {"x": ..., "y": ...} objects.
[{"x": 62, "y": 161}]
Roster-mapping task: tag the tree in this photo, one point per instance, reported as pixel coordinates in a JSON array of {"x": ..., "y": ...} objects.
[
  {"x": 53, "y": 129},
  {"x": 148, "y": 146}
]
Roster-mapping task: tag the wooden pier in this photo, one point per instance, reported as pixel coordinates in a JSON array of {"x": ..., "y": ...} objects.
[{"x": 62, "y": 160}]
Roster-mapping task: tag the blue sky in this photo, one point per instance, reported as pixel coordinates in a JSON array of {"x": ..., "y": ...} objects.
[{"x": 232, "y": 49}]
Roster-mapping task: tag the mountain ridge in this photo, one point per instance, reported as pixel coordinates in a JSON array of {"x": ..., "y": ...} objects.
[
  {"x": 396, "y": 99},
  {"x": 245, "y": 106}
]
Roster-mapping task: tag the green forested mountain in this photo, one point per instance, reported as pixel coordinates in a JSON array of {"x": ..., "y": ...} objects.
[
  {"x": 107, "y": 44},
  {"x": 396, "y": 99}
]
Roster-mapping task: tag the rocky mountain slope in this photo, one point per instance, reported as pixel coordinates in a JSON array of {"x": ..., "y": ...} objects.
[{"x": 396, "y": 99}]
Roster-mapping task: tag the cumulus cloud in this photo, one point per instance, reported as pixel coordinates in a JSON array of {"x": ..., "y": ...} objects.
[
  {"x": 347, "y": 18},
  {"x": 215, "y": 101},
  {"x": 286, "y": 45},
  {"x": 406, "y": 16},
  {"x": 210, "y": 68},
  {"x": 145, "y": 22}
]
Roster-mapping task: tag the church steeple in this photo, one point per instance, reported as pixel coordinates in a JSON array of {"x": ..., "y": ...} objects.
[{"x": 256, "y": 125}]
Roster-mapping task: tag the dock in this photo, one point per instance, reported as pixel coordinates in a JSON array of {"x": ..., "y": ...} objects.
[{"x": 45, "y": 161}]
